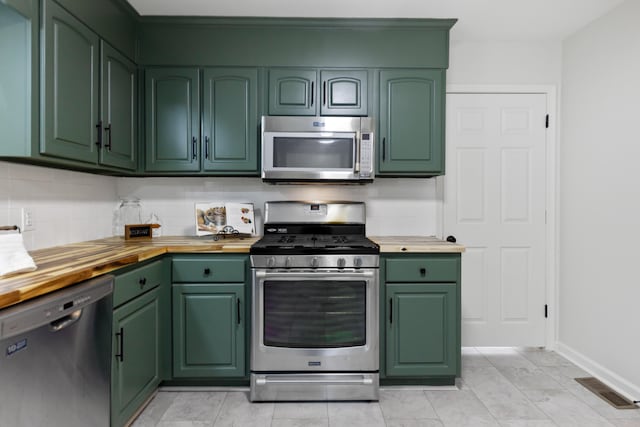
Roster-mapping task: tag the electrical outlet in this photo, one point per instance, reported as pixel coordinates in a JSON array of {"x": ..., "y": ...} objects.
[{"x": 27, "y": 220}]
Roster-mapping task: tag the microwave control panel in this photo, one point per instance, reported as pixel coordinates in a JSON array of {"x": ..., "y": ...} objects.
[{"x": 366, "y": 154}]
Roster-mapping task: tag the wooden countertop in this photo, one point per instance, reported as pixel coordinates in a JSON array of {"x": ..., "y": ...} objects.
[
  {"x": 66, "y": 265},
  {"x": 414, "y": 244}
]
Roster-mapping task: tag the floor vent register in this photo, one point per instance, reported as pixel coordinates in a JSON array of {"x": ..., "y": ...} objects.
[{"x": 606, "y": 393}]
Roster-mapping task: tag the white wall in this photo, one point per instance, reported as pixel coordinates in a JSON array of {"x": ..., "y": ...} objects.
[
  {"x": 67, "y": 206},
  {"x": 600, "y": 198},
  {"x": 394, "y": 206},
  {"x": 505, "y": 63}
]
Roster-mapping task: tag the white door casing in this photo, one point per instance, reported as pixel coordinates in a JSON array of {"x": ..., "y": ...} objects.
[{"x": 494, "y": 203}]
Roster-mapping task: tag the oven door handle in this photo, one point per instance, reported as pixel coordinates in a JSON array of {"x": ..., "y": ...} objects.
[
  {"x": 265, "y": 381},
  {"x": 317, "y": 274}
]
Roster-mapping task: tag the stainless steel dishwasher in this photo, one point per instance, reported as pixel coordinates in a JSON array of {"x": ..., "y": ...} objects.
[{"x": 55, "y": 363}]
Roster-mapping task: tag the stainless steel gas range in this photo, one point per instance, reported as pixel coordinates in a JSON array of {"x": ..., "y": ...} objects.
[{"x": 315, "y": 304}]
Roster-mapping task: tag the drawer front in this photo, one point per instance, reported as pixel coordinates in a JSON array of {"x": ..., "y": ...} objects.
[
  {"x": 129, "y": 285},
  {"x": 209, "y": 270},
  {"x": 421, "y": 269}
]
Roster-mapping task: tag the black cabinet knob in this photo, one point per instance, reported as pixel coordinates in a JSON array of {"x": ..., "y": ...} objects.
[
  {"x": 451, "y": 239},
  {"x": 142, "y": 281},
  {"x": 423, "y": 271},
  {"x": 207, "y": 271}
]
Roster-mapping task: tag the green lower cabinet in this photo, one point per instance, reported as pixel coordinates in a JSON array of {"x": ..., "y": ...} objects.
[
  {"x": 209, "y": 330},
  {"x": 136, "y": 364},
  {"x": 421, "y": 329}
]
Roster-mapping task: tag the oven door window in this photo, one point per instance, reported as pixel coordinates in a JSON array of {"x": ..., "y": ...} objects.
[
  {"x": 313, "y": 152},
  {"x": 314, "y": 313}
]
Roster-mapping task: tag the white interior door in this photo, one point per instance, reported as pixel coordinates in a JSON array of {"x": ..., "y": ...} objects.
[{"x": 494, "y": 204}]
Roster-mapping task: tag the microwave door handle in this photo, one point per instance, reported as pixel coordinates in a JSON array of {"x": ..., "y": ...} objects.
[{"x": 357, "y": 153}]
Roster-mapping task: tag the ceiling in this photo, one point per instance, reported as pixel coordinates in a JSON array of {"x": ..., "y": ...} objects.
[{"x": 491, "y": 20}]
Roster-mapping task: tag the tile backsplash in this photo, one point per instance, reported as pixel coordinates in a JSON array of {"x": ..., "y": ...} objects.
[
  {"x": 395, "y": 206},
  {"x": 66, "y": 206},
  {"x": 72, "y": 206}
]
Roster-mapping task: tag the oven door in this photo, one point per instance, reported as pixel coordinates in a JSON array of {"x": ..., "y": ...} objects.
[
  {"x": 310, "y": 156},
  {"x": 318, "y": 320}
]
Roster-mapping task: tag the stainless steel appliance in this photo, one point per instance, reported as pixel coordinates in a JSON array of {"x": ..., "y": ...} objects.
[
  {"x": 56, "y": 358},
  {"x": 317, "y": 149},
  {"x": 315, "y": 304}
]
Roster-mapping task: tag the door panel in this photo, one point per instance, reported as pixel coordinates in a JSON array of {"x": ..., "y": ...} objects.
[
  {"x": 230, "y": 124},
  {"x": 172, "y": 103},
  {"x": 70, "y": 80},
  {"x": 119, "y": 109},
  {"x": 495, "y": 206}
]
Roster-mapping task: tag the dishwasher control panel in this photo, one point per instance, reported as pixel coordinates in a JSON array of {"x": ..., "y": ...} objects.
[{"x": 59, "y": 306}]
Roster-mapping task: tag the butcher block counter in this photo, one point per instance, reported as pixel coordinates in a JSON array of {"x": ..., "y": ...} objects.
[
  {"x": 415, "y": 244},
  {"x": 66, "y": 265}
]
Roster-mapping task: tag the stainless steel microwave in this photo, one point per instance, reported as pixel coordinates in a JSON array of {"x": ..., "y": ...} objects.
[{"x": 308, "y": 149}]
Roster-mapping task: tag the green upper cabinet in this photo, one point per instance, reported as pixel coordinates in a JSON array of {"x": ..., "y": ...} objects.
[
  {"x": 292, "y": 92},
  {"x": 296, "y": 92},
  {"x": 119, "y": 99},
  {"x": 172, "y": 120},
  {"x": 411, "y": 137},
  {"x": 70, "y": 86},
  {"x": 230, "y": 119},
  {"x": 344, "y": 92}
]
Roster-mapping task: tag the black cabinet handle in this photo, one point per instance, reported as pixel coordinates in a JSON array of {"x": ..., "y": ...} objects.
[
  {"x": 206, "y": 147},
  {"x": 194, "y": 147},
  {"x": 324, "y": 93},
  {"x": 99, "y": 129},
  {"x": 108, "y": 144},
  {"x": 312, "y": 92},
  {"x": 142, "y": 282},
  {"x": 207, "y": 271},
  {"x": 384, "y": 148},
  {"x": 238, "y": 307},
  {"x": 451, "y": 239},
  {"x": 120, "y": 336},
  {"x": 423, "y": 271},
  {"x": 390, "y": 311}
]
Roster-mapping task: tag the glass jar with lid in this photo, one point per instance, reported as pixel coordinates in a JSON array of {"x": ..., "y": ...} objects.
[{"x": 129, "y": 211}]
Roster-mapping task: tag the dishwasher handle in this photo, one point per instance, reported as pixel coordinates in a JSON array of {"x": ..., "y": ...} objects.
[{"x": 65, "y": 321}]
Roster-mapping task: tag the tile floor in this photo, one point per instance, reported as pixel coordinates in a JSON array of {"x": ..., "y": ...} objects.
[{"x": 500, "y": 387}]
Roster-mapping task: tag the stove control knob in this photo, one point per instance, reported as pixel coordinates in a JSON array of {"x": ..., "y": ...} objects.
[
  {"x": 271, "y": 262},
  {"x": 341, "y": 262},
  {"x": 288, "y": 262},
  {"x": 357, "y": 262},
  {"x": 314, "y": 262}
]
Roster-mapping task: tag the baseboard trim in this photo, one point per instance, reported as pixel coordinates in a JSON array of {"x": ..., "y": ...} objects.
[{"x": 627, "y": 389}]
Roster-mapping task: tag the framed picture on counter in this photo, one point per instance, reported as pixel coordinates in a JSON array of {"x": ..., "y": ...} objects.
[{"x": 224, "y": 218}]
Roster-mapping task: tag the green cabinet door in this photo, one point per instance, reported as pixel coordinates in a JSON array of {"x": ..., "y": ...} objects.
[
  {"x": 292, "y": 92},
  {"x": 119, "y": 109},
  {"x": 208, "y": 330},
  {"x": 421, "y": 329},
  {"x": 230, "y": 119},
  {"x": 344, "y": 92},
  {"x": 411, "y": 137},
  {"x": 70, "y": 86},
  {"x": 135, "y": 366},
  {"x": 172, "y": 120}
]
